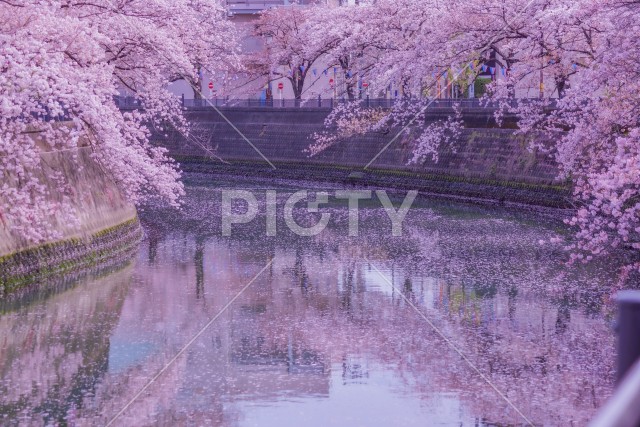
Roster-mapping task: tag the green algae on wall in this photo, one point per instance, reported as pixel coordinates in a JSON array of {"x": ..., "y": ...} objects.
[
  {"x": 34, "y": 264},
  {"x": 107, "y": 223}
]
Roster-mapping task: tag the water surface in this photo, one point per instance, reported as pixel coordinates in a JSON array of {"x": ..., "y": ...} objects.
[{"x": 338, "y": 330}]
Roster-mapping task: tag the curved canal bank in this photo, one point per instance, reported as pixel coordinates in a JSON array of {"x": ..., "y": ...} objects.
[
  {"x": 487, "y": 162},
  {"x": 107, "y": 226},
  {"x": 320, "y": 334}
]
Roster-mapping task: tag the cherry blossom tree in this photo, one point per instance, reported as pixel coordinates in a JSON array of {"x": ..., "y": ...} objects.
[
  {"x": 601, "y": 149},
  {"x": 62, "y": 62},
  {"x": 589, "y": 51},
  {"x": 582, "y": 53},
  {"x": 336, "y": 33},
  {"x": 282, "y": 31},
  {"x": 292, "y": 44}
]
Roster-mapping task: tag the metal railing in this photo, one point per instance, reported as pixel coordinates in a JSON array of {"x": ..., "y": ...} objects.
[
  {"x": 623, "y": 408},
  {"x": 255, "y": 4},
  {"x": 263, "y": 3},
  {"x": 124, "y": 102}
]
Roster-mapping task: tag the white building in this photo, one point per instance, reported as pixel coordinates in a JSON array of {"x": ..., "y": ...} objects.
[{"x": 323, "y": 80}]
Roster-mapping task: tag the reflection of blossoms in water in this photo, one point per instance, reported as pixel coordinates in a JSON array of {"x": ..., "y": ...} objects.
[{"x": 321, "y": 318}]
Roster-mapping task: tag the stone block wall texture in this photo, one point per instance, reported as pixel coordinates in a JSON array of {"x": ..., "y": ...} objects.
[
  {"x": 283, "y": 135},
  {"x": 488, "y": 163},
  {"x": 108, "y": 224},
  {"x": 95, "y": 197}
]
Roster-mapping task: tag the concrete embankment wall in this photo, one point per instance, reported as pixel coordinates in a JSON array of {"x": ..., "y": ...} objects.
[
  {"x": 108, "y": 224},
  {"x": 486, "y": 162}
]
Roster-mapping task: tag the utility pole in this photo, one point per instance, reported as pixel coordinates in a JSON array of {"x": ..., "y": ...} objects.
[
  {"x": 269, "y": 94},
  {"x": 541, "y": 68}
]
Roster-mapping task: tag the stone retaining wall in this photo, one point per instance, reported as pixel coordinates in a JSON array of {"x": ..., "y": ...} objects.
[
  {"x": 33, "y": 265},
  {"x": 486, "y": 162},
  {"x": 108, "y": 225}
]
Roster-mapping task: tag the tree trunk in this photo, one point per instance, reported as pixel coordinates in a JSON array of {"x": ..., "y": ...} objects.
[
  {"x": 297, "y": 82},
  {"x": 350, "y": 92},
  {"x": 197, "y": 92},
  {"x": 511, "y": 89},
  {"x": 196, "y": 85},
  {"x": 561, "y": 85},
  {"x": 350, "y": 85}
]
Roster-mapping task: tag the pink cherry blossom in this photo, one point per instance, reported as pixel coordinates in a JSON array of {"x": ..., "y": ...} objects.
[{"x": 61, "y": 63}]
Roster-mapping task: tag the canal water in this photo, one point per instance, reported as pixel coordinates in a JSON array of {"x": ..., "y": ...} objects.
[{"x": 472, "y": 317}]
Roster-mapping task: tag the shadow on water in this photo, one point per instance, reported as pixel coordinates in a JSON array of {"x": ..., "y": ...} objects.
[
  {"x": 320, "y": 338},
  {"x": 55, "y": 344},
  {"x": 41, "y": 291}
]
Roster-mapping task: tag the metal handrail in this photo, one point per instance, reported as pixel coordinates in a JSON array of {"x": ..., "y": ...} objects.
[
  {"x": 623, "y": 408},
  {"x": 250, "y": 3},
  {"x": 446, "y": 103}
]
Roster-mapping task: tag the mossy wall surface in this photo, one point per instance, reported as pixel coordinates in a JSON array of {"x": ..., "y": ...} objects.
[
  {"x": 94, "y": 196},
  {"x": 107, "y": 225},
  {"x": 32, "y": 265},
  {"x": 487, "y": 161}
]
